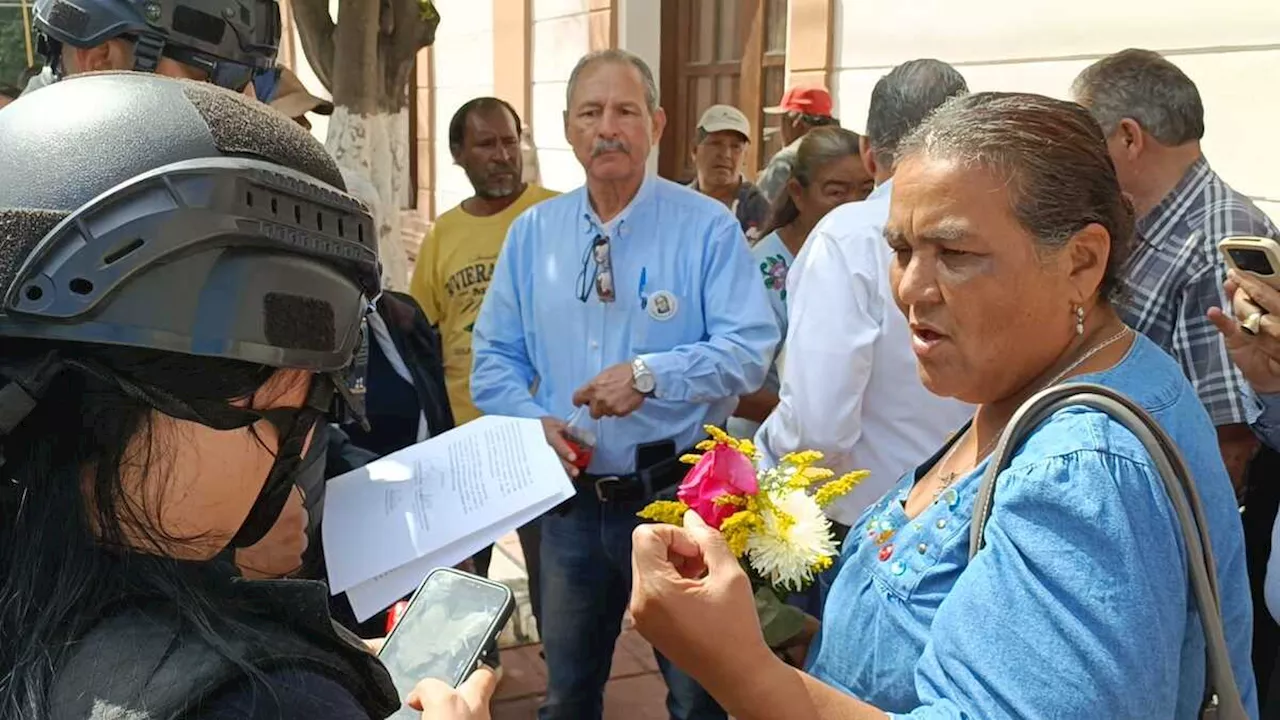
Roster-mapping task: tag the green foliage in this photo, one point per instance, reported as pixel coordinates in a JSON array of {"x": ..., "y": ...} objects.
[
  {"x": 13, "y": 48},
  {"x": 779, "y": 621}
]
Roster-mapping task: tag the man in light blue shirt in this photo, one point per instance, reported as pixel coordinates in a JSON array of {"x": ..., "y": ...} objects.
[{"x": 635, "y": 298}]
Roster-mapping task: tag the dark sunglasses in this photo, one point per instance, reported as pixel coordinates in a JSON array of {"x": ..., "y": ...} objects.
[
  {"x": 223, "y": 73},
  {"x": 265, "y": 84},
  {"x": 320, "y": 402}
]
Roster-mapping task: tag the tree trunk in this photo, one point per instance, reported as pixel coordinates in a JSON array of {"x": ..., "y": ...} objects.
[{"x": 366, "y": 60}]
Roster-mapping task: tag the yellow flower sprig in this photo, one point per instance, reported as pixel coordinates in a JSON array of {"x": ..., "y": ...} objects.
[
  {"x": 720, "y": 437},
  {"x": 670, "y": 512},
  {"x": 822, "y": 564},
  {"x": 829, "y": 492},
  {"x": 738, "y": 529},
  {"x": 802, "y": 459}
]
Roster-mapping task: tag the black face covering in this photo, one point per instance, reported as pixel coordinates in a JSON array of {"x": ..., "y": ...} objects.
[
  {"x": 22, "y": 385},
  {"x": 26, "y": 384},
  {"x": 293, "y": 425}
]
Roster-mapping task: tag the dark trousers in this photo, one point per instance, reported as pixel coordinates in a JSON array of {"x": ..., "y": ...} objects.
[
  {"x": 1261, "y": 502},
  {"x": 586, "y": 576},
  {"x": 531, "y": 545}
]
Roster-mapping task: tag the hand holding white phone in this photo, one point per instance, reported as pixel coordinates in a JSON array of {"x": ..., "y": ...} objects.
[{"x": 1249, "y": 328}]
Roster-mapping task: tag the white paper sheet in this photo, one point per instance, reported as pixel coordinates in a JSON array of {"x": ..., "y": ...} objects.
[
  {"x": 377, "y": 594},
  {"x": 436, "y": 503}
]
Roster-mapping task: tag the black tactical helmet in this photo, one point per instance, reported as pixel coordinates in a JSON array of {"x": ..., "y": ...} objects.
[
  {"x": 232, "y": 40},
  {"x": 177, "y": 216}
]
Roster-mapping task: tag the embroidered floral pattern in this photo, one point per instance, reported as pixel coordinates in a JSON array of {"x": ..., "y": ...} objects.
[{"x": 774, "y": 269}]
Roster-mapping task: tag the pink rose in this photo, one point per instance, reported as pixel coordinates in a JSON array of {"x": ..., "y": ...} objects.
[{"x": 721, "y": 471}]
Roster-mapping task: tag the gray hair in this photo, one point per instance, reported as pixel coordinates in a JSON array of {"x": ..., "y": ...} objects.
[
  {"x": 615, "y": 55},
  {"x": 1145, "y": 87},
  {"x": 902, "y": 100},
  {"x": 1053, "y": 156}
]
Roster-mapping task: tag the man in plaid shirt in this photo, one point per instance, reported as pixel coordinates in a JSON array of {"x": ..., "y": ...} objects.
[{"x": 1153, "y": 118}]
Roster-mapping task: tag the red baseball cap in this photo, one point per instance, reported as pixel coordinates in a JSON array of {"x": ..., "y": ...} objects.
[{"x": 804, "y": 100}]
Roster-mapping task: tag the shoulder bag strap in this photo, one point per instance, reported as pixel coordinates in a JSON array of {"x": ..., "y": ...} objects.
[{"x": 1222, "y": 696}]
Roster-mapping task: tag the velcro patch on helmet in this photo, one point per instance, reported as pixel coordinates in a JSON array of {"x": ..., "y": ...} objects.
[
  {"x": 299, "y": 322},
  {"x": 20, "y": 232},
  {"x": 70, "y": 19}
]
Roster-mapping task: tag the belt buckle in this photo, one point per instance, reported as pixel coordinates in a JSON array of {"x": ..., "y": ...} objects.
[{"x": 604, "y": 482}]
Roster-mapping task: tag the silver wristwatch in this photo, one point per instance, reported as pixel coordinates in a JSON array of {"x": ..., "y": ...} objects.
[{"x": 642, "y": 377}]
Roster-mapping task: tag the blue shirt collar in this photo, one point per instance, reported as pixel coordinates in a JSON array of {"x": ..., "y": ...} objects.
[{"x": 591, "y": 223}]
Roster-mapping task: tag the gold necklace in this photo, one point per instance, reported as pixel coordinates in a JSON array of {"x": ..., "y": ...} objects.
[{"x": 945, "y": 481}]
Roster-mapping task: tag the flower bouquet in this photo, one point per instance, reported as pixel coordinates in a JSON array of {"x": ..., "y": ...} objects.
[{"x": 771, "y": 518}]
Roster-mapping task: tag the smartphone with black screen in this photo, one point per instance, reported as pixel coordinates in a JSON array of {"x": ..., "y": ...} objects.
[
  {"x": 445, "y": 629},
  {"x": 1257, "y": 256}
]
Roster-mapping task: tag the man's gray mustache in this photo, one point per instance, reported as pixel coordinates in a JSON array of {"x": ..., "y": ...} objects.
[{"x": 604, "y": 146}]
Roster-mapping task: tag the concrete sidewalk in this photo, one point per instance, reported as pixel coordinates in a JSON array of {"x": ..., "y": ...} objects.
[{"x": 635, "y": 690}]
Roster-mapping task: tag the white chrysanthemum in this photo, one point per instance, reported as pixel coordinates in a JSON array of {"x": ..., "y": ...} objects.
[{"x": 785, "y": 553}]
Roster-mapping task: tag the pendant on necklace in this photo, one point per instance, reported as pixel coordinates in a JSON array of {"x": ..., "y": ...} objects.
[
  {"x": 943, "y": 483},
  {"x": 951, "y": 498}
]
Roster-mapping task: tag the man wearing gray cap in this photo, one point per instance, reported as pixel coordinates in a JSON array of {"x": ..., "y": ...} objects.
[{"x": 722, "y": 137}]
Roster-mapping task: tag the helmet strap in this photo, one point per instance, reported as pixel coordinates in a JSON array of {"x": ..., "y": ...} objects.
[
  {"x": 24, "y": 385},
  {"x": 284, "y": 472},
  {"x": 147, "y": 52}
]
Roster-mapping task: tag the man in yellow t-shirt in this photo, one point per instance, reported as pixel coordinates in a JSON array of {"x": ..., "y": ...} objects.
[{"x": 457, "y": 258}]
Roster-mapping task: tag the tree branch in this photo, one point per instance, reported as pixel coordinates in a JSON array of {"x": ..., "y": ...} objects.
[
  {"x": 316, "y": 29},
  {"x": 405, "y": 31}
]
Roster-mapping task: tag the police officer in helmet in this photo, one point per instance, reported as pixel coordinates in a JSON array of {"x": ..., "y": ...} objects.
[
  {"x": 226, "y": 42},
  {"x": 180, "y": 288},
  {"x": 231, "y": 43}
]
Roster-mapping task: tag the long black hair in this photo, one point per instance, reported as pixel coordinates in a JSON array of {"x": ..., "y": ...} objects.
[
  {"x": 818, "y": 148},
  {"x": 69, "y": 532}
]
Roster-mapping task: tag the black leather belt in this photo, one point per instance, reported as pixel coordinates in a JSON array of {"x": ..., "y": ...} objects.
[{"x": 638, "y": 486}]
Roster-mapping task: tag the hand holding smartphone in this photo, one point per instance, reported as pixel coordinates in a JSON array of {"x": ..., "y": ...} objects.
[
  {"x": 1260, "y": 258},
  {"x": 445, "y": 630},
  {"x": 1257, "y": 256}
]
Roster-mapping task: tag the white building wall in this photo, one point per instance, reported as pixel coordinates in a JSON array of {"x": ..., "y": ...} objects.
[
  {"x": 561, "y": 35},
  {"x": 1230, "y": 48},
  {"x": 640, "y": 31},
  {"x": 462, "y": 61}
]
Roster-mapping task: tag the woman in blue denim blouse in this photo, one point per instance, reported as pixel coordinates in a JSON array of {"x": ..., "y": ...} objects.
[{"x": 1009, "y": 230}]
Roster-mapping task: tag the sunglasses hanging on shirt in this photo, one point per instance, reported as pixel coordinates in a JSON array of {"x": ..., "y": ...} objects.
[{"x": 597, "y": 270}]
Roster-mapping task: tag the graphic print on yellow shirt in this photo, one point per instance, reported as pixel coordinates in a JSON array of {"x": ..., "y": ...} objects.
[
  {"x": 450, "y": 279},
  {"x": 466, "y": 287}
]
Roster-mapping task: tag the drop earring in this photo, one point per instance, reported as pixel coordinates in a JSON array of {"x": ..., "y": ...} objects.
[{"x": 1079, "y": 320}]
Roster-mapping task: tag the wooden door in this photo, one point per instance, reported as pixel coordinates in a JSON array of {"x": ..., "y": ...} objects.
[{"x": 730, "y": 52}]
